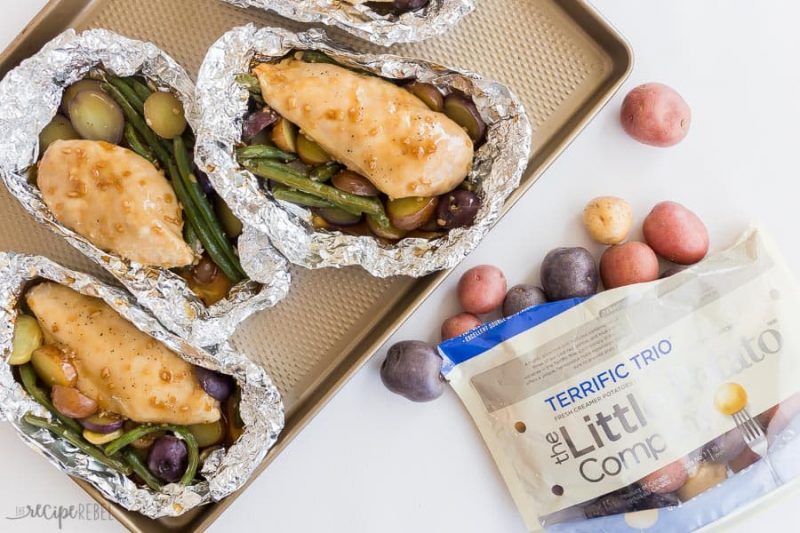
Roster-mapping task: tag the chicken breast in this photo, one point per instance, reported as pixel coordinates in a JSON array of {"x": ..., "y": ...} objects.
[
  {"x": 124, "y": 370},
  {"x": 116, "y": 199},
  {"x": 373, "y": 127}
]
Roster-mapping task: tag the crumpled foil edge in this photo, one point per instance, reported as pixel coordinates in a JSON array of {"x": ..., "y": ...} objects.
[
  {"x": 30, "y": 96},
  {"x": 224, "y": 472},
  {"x": 497, "y": 169},
  {"x": 364, "y": 22}
]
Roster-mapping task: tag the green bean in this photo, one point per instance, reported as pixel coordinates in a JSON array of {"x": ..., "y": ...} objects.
[
  {"x": 141, "y": 470},
  {"x": 251, "y": 83},
  {"x": 141, "y": 89},
  {"x": 76, "y": 440},
  {"x": 293, "y": 179},
  {"x": 194, "y": 219},
  {"x": 263, "y": 151},
  {"x": 139, "y": 432},
  {"x": 323, "y": 173},
  {"x": 28, "y": 377},
  {"x": 300, "y": 198},
  {"x": 315, "y": 56},
  {"x": 137, "y": 145},
  {"x": 190, "y": 236},
  {"x": 128, "y": 92},
  {"x": 223, "y": 253},
  {"x": 161, "y": 149}
]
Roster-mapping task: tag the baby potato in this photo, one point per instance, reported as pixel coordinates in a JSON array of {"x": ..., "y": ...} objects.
[
  {"x": 628, "y": 263},
  {"x": 521, "y": 297},
  {"x": 164, "y": 113},
  {"x": 27, "y": 338},
  {"x": 568, "y": 273},
  {"x": 676, "y": 233},
  {"x": 482, "y": 289},
  {"x": 655, "y": 114},
  {"x": 54, "y": 367},
  {"x": 71, "y": 402},
  {"x": 608, "y": 219},
  {"x": 706, "y": 476},
  {"x": 459, "y": 324},
  {"x": 666, "y": 479}
]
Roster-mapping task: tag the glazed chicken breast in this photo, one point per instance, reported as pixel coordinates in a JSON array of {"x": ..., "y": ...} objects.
[
  {"x": 116, "y": 199},
  {"x": 373, "y": 127},
  {"x": 124, "y": 370}
]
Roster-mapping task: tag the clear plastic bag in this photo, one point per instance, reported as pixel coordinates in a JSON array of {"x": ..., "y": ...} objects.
[{"x": 661, "y": 406}]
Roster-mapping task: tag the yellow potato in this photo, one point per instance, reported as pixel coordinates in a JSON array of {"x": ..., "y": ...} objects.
[
  {"x": 608, "y": 219},
  {"x": 706, "y": 476}
]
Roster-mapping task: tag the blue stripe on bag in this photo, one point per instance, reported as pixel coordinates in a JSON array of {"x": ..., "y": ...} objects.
[{"x": 482, "y": 339}]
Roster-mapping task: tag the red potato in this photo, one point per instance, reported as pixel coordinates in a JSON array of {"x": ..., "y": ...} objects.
[
  {"x": 70, "y": 402},
  {"x": 666, "y": 479},
  {"x": 655, "y": 114},
  {"x": 482, "y": 289},
  {"x": 459, "y": 324},
  {"x": 676, "y": 233},
  {"x": 628, "y": 263}
]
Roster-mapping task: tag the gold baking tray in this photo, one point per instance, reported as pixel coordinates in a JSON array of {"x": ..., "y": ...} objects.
[{"x": 559, "y": 56}]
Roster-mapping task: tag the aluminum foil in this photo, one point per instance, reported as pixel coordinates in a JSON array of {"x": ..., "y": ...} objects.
[
  {"x": 226, "y": 470},
  {"x": 361, "y": 20},
  {"x": 222, "y": 103},
  {"x": 29, "y": 98}
]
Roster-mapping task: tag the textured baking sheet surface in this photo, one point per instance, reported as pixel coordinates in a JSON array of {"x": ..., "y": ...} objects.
[{"x": 310, "y": 338}]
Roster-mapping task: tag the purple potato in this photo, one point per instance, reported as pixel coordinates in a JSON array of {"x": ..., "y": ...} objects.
[
  {"x": 405, "y": 6},
  {"x": 257, "y": 122},
  {"x": 462, "y": 110},
  {"x": 102, "y": 423},
  {"x": 168, "y": 458},
  {"x": 429, "y": 94},
  {"x": 353, "y": 183},
  {"x": 457, "y": 209},
  {"x": 569, "y": 273},
  {"x": 413, "y": 369},
  {"x": 522, "y": 297},
  {"x": 218, "y": 386}
]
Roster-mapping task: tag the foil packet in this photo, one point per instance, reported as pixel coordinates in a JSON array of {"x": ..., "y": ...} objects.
[
  {"x": 497, "y": 166},
  {"x": 659, "y": 406},
  {"x": 224, "y": 472},
  {"x": 29, "y": 98},
  {"x": 365, "y": 22}
]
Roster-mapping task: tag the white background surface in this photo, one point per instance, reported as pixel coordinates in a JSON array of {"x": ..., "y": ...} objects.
[{"x": 372, "y": 461}]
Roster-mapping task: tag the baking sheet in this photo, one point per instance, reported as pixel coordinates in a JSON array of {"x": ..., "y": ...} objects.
[{"x": 559, "y": 56}]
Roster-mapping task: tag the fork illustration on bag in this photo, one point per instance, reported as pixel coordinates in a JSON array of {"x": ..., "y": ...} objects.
[{"x": 731, "y": 399}]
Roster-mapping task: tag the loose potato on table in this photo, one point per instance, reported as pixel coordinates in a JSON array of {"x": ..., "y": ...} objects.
[
  {"x": 569, "y": 273},
  {"x": 628, "y": 263},
  {"x": 608, "y": 219},
  {"x": 521, "y": 297},
  {"x": 676, "y": 233},
  {"x": 459, "y": 324},
  {"x": 482, "y": 289},
  {"x": 655, "y": 114}
]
